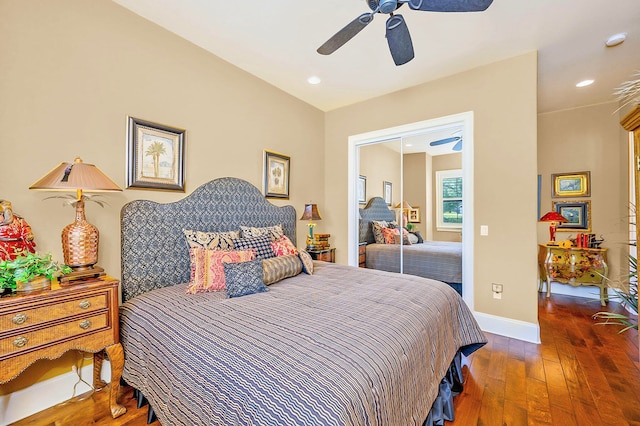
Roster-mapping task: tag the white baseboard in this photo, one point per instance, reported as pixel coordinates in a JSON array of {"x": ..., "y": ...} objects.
[
  {"x": 516, "y": 329},
  {"x": 586, "y": 292},
  {"x": 47, "y": 393}
]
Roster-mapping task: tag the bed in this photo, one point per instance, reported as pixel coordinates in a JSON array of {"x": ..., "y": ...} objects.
[
  {"x": 438, "y": 260},
  {"x": 343, "y": 346}
]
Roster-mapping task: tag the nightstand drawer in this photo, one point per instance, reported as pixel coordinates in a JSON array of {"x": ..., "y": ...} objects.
[
  {"x": 52, "y": 310},
  {"x": 32, "y": 340}
]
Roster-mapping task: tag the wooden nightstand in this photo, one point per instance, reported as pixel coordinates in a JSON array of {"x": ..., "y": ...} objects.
[
  {"x": 362, "y": 255},
  {"x": 326, "y": 255},
  {"x": 49, "y": 323}
]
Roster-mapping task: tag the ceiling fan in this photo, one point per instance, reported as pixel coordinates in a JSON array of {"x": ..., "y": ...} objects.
[
  {"x": 456, "y": 147},
  {"x": 397, "y": 31}
]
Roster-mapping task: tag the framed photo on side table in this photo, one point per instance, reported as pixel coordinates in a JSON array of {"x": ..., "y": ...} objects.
[
  {"x": 414, "y": 215},
  {"x": 276, "y": 175},
  {"x": 575, "y": 184},
  {"x": 577, "y": 213},
  {"x": 155, "y": 156}
]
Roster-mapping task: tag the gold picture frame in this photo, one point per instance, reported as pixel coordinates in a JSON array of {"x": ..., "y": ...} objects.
[
  {"x": 276, "y": 175},
  {"x": 414, "y": 215},
  {"x": 155, "y": 156},
  {"x": 577, "y": 213},
  {"x": 576, "y": 184}
]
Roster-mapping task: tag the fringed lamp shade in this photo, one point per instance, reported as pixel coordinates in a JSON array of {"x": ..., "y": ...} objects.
[
  {"x": 310, "y": 213},
  {"x": 555, "y": 218},
  {"x": 80, "y": 238}
]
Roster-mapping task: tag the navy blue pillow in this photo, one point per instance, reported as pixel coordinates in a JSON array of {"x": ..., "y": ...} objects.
[
  {"x": 244, "y": 278},
  {"x": 262, "y": 246}
]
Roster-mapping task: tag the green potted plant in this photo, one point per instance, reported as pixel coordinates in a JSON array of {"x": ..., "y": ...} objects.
[
  {"x": 30, "y": 271},
  {"x": 628, "y": 298}
]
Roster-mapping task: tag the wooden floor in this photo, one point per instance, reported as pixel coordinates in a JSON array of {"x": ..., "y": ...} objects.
[{"x": 581, "y": 374}]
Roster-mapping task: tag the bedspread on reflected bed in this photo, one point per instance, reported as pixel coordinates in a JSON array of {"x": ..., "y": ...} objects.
[
  {"x": 345, "y": 346},
  {"x": 438, "y": 260}
]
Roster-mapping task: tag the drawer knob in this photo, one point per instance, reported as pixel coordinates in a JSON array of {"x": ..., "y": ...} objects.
[
  {"x": 85, "y": 304},
  {"x": 20, "y": 342},
  {"x": 85, "y": 324},
  {"x": 19, "y": 319}
]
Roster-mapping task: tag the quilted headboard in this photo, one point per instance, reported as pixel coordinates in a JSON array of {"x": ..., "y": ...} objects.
[
  {"x": 154, "y": 249},
  {"x": 376, "y": 209}
]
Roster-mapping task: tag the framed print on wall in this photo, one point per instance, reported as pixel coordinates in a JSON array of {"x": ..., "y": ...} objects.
[
  {"x": 577, "y": 213},
  {"x": 575, "y": 184},
  {"x": 362, "y": 189},
  {"x": 387, "y": 190},
  {"x": 414, "y": 215},
  {"x": 276, "y": 175},
  {"x": 155, "y": 156}
]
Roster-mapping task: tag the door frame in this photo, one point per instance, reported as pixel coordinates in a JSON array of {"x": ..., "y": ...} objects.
[{"x": 465, "y": 119}]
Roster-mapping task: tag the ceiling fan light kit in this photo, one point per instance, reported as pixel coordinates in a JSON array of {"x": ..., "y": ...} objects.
[{"x": 397, "y": 32}]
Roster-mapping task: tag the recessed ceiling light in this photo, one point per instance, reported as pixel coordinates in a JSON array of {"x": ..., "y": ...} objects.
[
  {"x": 584, "y": 83},
  {"x": 314, "y": 80},
  {"x": 408, "y": 144},
  {"x": 616, "y": 39}
]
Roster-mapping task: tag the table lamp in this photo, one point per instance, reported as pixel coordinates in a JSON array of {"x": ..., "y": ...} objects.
[
  {"x": 405, "y": 212},
  {"x": 80, "y": 238},
  {"x": 310, "y": 213},
  {"x": 554, "y": 218}
]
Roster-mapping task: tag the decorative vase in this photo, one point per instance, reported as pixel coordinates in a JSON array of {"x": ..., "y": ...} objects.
[{"x": 36, "y": 284}]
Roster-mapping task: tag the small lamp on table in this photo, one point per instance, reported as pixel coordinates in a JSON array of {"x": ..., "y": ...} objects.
[
  {"x": 80, "y": 238},
  {"x": 553, "y": 218},
  {"x": 310, "y": 213}
]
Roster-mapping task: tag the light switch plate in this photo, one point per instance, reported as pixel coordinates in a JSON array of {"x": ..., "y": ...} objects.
[{"x": 484, "y": 230}]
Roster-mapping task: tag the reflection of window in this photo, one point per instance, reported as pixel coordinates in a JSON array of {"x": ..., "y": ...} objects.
[{"x": 449, "y": 200}]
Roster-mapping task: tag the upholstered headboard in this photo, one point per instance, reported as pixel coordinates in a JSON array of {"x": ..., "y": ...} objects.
[
  {"x": 154, "y": 249},
  {"x": 376, "y": 209}
]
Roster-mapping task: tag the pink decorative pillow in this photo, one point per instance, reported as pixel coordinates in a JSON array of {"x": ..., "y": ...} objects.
[
  {"x": 283, "y": 246},
  {"x": 389, "y": 235},
  {"x": 207, "y": 269}
]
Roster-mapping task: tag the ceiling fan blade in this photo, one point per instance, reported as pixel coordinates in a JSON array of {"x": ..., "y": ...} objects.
[
  {"x": 345, "y": 34},
  {"x": 447, "y": 140},
  {"x": 458, "y": 146},
  {"x": 399, "y": 40},
  {"x": 450, "y": 5}
]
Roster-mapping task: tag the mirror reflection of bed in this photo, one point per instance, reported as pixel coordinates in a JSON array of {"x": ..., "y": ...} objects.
[{"x": 379, "y": 229}]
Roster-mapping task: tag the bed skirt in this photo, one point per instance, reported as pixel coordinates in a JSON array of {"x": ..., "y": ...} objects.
[{"x": 450, "y": 386}]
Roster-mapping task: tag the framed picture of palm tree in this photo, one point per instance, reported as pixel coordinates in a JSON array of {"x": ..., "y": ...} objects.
[{"x": 155, "y": 156}]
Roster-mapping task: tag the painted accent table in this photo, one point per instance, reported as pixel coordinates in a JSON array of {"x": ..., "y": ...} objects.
[{"x": 574, "y": 266}]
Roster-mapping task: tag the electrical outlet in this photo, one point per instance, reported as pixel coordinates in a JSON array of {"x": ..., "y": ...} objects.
[
  {"x": 497, "y": 288},
  {"x": 497, "y": 295}
]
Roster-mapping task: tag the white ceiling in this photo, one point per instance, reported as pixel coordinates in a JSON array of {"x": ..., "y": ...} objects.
[{"x": 277, "y": 41}]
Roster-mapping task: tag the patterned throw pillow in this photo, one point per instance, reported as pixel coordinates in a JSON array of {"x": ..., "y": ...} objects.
[
  {"x": 281, "y": 267},
  {"x": 389, "y": 235},
  {"x": 244, "y": 278},
  {"x": 283, "y": 246},
  {"x": 378, "y": 225},
  {"x": 207, "y": 272},
  {"x": 262, "y": 246},
  {"x": 210, "y": 240},
  {"x": 405, "y": 238},
  {"x": 307, "y": 262},
  {"x": 274, "y": 232}
]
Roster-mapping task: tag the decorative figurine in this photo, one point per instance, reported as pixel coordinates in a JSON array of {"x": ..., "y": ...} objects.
[{"x": 15, "y": 233}]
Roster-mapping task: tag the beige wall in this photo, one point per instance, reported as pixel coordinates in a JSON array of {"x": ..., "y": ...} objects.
[
  {"x": 414, "y": 169},
  {"x": 72, "y": 70},
  {"x": 444, "y": 162},
  {"x": 589, "y": 139},
  {"x": 502, "y": 97},
  {"x": 379, "y": 163}
]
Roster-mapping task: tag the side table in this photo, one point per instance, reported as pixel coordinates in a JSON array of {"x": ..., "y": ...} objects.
[
  {"x": 326, "y": 255},
  {"x": 46, "y": 324}
]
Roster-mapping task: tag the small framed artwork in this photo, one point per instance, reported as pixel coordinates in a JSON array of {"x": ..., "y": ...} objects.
[
  {"x": 575, "y": 184},
  {"x": 414, "y": 215},
  {"x": 276, "y": 175},
  {"x": 155, "y": 156},
  {"x": 362, "y": 189},
  {"x": 387, "y": 190},
  {"x": 577, "y": 213}
]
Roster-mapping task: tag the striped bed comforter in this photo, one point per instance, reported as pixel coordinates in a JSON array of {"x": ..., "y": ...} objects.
[
  {"x": 345, "y": 346},
  {"x": 438, "y": 260}
]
